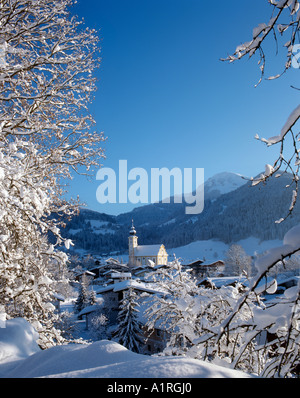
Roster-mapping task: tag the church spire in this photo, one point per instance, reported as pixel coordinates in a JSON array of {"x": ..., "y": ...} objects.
[
  {"x": 132, "y": 231},
  {"x": 133, "y": 243}
]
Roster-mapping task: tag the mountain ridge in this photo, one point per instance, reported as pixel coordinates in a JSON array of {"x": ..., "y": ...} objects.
[{"x": 233, "y": 210}]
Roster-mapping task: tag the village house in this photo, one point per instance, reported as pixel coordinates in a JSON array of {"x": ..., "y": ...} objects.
[
  {"x": 113, "y": 294},
  {"x": 200, "y": 269},
  {"x": 117, "y": 278},
  {"x": 78, "y": 276}
]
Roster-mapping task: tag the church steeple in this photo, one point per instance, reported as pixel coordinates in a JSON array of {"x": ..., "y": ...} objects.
[
  {"x": 132, "y": 231},
  {"x": 132, "y": 244}
]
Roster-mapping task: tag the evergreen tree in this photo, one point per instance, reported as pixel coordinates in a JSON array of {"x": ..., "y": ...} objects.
[
  {"x": 129, "y": 331},
  {"x": 85, "y": 296}
]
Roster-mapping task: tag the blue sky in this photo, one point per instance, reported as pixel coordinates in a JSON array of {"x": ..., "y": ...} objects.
[{"x": 164, "y": 97}]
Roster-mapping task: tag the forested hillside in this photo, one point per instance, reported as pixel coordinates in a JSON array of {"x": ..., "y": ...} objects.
[{"x": 229, "y": 217}]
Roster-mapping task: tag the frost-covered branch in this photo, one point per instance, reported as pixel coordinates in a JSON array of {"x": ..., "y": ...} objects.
[
  {"x": 263, "y": 31},
  {"x": 285, "y": 21},
  {"x": 47, "y": 82},
  {"x": 250, "y": 320}
]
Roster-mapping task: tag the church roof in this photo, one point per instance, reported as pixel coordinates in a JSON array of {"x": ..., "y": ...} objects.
[{"x": 147, "y": 250}]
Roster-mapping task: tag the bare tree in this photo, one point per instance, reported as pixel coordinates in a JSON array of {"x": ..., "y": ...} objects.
[{"x": 237, "y": 261}]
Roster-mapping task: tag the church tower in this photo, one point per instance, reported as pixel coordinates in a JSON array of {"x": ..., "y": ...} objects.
[{"x": 132, "y": 243}]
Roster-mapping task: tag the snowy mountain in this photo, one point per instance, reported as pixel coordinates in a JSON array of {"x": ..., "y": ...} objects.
[
  {"x": 222, "y": 183},
  {"x": 234, "y": 210}
]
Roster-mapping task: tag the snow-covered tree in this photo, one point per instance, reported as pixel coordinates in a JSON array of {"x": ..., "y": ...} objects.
[
  {"x": 237, "y": 261},
  {"x": 98, "y": 325},
  {"x": 129, "y": 331},
  {"x": 176, "y": 309},
  {"x": 215, "y": 305},
  {"x": 86, "y": 297},
  {"x": 261, "y": 338},
  {"x": 46, "y": 135},
  {"x": 279, "y": 355}
]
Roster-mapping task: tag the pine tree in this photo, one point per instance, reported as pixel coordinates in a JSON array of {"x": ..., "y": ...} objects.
[
  {"x": 129, "y": 331},
  {"x": 85, "y": 296}
]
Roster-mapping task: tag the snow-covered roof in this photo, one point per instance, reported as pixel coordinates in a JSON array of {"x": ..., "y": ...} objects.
[
  {"x": 59, "y": 296},
  {"x": 283, "y": 280},
  {"x": 89, "y": 309},
  {"x": 266, "y": 284},
  {"x": 112, "y": 271},
  {"x": 121, "y": 275},
  {"x": 224, "y": 281},
  {"x": 85, "y": 272},
  {"x": 147, "y": 250},
  {"x": 126, "y": 284}
]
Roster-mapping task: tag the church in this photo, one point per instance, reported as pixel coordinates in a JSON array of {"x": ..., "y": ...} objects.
[{"x": 140, "y": 255}]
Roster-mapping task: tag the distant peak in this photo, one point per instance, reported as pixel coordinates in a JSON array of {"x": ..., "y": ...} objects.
[{"x": 223, "y": 182}]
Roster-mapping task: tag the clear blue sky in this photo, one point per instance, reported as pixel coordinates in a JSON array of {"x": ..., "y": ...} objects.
[{"x": 164, "y": 97}]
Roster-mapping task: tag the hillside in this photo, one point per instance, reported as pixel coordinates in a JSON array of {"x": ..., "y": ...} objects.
[{"x": 234, "y": 210}]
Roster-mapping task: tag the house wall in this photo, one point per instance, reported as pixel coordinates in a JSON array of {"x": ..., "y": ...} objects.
[
  {"x": 155, "y": 342},
  {"x": 111, "y": 305}
]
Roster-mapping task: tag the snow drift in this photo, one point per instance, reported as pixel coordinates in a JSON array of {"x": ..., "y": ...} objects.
[
  {"x": 17, "y": 340},
  {"x": 107, "y": 359},
  {"x": 101, "y": 359}
]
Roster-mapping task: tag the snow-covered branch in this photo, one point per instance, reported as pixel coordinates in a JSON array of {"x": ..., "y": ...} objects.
[
  {"x": 250, "y": 320},
  {"x": 46, "y": 134},
  {"x": 284, "y": 21}
]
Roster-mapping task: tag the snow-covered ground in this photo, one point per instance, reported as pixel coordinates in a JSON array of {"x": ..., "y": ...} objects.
[
  {"x": 20, "y": 357},
  {"x": 213, "y": 250}
]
